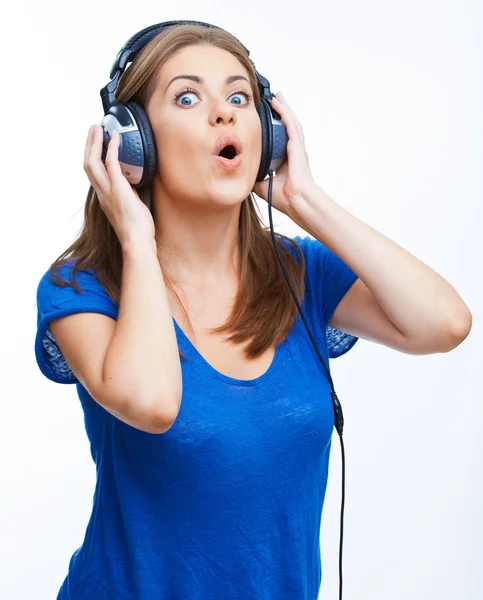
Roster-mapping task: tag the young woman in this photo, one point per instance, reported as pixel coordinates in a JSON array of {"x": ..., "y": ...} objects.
[{"x": 207, "y": 410}]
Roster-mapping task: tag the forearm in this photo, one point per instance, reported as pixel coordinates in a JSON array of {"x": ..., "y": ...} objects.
[
  {"x": 142, "y": 361},
  {"x": 412, "y": 295}
]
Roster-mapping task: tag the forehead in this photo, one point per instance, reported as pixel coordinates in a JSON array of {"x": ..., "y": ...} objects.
[{"x": 209, "y": 62}]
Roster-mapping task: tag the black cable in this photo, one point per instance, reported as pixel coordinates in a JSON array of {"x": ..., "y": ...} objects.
[{"x": 338, "y": 415}]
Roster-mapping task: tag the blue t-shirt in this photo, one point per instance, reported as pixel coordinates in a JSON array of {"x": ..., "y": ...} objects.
[{"x": 228, "y": 502}]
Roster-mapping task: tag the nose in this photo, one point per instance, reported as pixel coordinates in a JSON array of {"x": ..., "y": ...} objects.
[{"x": 223, "y": 112}]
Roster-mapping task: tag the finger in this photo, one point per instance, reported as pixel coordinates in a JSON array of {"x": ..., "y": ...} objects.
[
  {"x": 97, "y": 172},
  {"x": 283, "y": 101},
  {"x": 88, "y": 144},
  {"x": 290, "y": 116},
  {"x": 287, "y": 118},
  {"x": 112, "y": 157},
  {"x": 301, "y": 131},
  {"x": 289, "y": 110}
]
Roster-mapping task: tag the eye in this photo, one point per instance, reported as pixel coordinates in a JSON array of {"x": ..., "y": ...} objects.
[
  {"x": 249, "y": 96},
  {"x": 186, "y": 92},
  {"x": 189, "y": 91}
]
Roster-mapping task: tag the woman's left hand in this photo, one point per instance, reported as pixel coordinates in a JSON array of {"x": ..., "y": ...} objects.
[{"x": 293, "y": 179}]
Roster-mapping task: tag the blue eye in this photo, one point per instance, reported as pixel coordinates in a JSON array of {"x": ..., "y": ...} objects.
[
  {"x": 249, "y": 96},
  {"x": 184, "y": 93},
  {"x": 188, "y": 91}
]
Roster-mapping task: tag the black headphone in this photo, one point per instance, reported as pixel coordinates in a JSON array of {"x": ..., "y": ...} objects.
[
  {"x": 137, "y": 149},
  {"x": 138, "y": 160}
]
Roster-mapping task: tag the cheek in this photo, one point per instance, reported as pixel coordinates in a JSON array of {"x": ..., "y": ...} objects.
[
  {"x": 255, "y": 149},
  {"x": 176, "y": 144},
  {"x": 256, "y": 136}
]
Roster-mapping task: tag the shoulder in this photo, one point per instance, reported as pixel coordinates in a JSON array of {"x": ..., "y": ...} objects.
[
  {"x": 327, "y": 280},
  {"x": 58, "y": 297},
  {"x": 63, "y": 285}
]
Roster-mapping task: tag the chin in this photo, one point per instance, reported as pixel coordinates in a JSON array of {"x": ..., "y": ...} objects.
[{"x": 232, "y": 192}]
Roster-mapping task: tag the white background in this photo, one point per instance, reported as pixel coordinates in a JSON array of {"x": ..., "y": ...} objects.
[{"x": 389, "y": 95}]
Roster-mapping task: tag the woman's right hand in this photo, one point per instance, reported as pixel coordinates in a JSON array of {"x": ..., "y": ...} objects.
[{"x": 127, "y": 213}]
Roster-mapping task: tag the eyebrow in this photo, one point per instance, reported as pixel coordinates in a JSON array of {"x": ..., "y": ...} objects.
[{"x": 201, "y": 81}]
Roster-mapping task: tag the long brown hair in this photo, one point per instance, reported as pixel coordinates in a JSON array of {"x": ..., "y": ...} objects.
[{"x": 264, "y": 310}]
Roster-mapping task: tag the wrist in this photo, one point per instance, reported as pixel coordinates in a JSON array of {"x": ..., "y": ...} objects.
[
  {"x": 302, "y": 204},
  {"x": 139, "y": 245}
]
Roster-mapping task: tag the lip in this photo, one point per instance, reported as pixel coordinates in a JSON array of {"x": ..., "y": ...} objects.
[
  {"x": 227, "y": 140},
  {"x": 228, "y": 164}
]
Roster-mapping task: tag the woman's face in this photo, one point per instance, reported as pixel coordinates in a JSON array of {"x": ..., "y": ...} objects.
[{"x": 187, "y": 128}]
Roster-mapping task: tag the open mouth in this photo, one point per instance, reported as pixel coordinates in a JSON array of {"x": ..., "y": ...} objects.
[
  {"x": 229, "y": 159},
  {"x": 228, "y": 152}
]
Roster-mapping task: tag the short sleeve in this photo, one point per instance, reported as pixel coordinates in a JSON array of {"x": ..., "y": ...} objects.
[
  {"x": 53, "y": 302},
  {"x": 328, "y": 279}
]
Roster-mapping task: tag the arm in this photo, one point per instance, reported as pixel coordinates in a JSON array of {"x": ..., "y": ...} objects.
[
  {"x": 142, "y": 360},
  {"x": 398, "y": 300}
]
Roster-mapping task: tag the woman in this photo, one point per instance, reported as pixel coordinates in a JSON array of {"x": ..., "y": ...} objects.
[{"x": 212, "y": 468}]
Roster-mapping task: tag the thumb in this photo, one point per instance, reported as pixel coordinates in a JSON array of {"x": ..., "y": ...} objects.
[{"x": 261, "y": 189}]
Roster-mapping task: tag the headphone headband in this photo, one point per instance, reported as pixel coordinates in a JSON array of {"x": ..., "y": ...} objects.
[{"x": 143, "y": 37}]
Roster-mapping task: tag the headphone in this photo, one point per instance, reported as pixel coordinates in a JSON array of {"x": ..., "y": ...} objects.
[
  {"x": 138, "y": 161},
  {"x": 137, "y": 150}
]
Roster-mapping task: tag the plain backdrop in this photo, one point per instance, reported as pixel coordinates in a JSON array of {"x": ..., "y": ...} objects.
[{"x": 389, "y": 95}]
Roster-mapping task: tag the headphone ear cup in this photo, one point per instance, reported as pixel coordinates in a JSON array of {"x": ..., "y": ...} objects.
[
  {"x": 266, "y": 122},
  {"x": 149, "y": 143}
]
